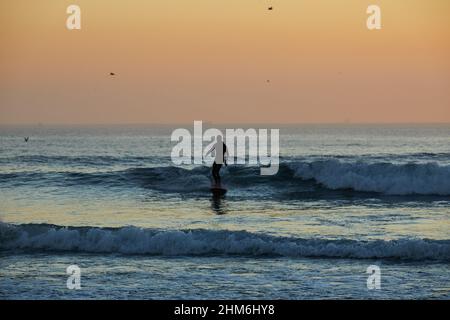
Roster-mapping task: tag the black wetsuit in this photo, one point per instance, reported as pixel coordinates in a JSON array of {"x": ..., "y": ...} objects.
[{"x": 216, "y": 167}]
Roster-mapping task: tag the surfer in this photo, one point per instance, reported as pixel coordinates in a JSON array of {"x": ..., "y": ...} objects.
[{"x": 220, "y": 158}]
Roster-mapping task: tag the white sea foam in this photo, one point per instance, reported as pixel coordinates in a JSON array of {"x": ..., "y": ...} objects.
[
  {"x": 387, "y": 178},
  {"x": 133, "y": 240}
]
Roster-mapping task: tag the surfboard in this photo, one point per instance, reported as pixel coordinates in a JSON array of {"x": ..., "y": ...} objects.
[{"x": 218, "y": 190}]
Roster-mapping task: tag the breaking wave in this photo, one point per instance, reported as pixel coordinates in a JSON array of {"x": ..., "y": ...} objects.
[
  {"x": 293, "y": 176},
  {"x": 387, "y": 178},
  {"x": 197, "y": 242}
]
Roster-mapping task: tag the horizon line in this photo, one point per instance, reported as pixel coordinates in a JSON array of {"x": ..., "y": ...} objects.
[{"x": 216, "y": 123}]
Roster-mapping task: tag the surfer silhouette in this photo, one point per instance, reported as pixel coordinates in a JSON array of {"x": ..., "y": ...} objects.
[{"x": 220, "y": 159}]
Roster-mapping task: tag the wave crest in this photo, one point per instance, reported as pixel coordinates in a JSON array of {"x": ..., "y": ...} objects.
[
  {"x": 133, "y": 240},
  {"x": 387, "y": 178}
]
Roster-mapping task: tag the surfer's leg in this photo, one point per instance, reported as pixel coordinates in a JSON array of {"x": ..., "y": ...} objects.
[
  {"x": 215, "y": 173},
  {"x": 218, "y": 173}
]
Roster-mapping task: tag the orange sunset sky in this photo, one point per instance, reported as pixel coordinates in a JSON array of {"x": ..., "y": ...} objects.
[{"x": 230, "y": 61}]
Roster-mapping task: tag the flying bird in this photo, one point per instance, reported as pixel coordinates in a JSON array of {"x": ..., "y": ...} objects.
[
  {"x": 112, "y": 74},
  {"x": 26, "y": 139},
  {"x": 270, "y": 8}
]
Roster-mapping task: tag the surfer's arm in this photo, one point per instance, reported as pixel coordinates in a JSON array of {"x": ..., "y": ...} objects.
[{"x": 211, "y": 150}]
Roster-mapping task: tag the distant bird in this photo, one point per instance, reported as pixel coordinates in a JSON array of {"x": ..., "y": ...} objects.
[
  {"x": 112, "y": 74},
  {"x": 26, "y": 139},
  {"x": 270, "y": 8}
]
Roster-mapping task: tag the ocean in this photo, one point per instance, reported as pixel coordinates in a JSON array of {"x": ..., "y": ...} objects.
[{"x": 109, "y": 200}]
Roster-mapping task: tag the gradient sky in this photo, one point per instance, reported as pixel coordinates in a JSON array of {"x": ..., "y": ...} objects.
[{"x": 179, "y": 61}]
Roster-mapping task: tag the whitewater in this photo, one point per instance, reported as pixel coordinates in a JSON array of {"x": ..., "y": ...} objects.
[{"x": 132, "y": 240}]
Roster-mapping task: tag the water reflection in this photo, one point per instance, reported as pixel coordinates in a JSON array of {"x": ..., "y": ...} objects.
[{"x": 218, "y": 204}]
